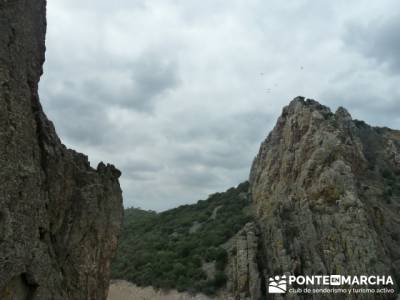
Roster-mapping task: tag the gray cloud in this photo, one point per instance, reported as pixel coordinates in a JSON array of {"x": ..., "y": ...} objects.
[
  {"x": 365, "y": 103},
  {"x": 378, "y": 39},
  {"x": 137, "y": 85},
  {"x": 91, "y": 127},
  {"x": 179, "y": 94}
]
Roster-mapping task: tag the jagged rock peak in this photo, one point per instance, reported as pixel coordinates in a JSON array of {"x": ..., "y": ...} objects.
[
  {"x": 59, "y": 217},
  {"x": 326, "y": 193},
  {"x": 301, "y": 102},
  {"x": 343, "y": 114}
]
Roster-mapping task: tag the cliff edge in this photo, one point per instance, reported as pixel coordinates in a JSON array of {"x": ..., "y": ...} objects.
[
  {"x": 59, "y": 218},
  {"x": 326, "y": 194}
]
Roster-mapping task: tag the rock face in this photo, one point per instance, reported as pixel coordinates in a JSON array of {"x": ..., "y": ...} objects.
[
  {"x": 244, "y": 280},
  {"x": 326, "y": 193},
  {"x": 59, "y": 218}
]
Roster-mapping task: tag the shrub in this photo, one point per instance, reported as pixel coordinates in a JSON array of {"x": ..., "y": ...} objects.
[
  {"x": 220, "y": 279},
  {"x": 387, "y": 174},
  {"x": 221, "y": 259}
]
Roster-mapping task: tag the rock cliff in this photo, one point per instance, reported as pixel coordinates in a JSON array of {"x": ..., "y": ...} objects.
[
  {"x": 59, "y": 218},
  {"x": 326, "y": 194},
  {"x": 243, "y": 273}
]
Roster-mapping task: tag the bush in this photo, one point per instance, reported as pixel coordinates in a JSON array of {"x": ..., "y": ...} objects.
[
  {"x": 387, "y": 174},
  {"x": 220, "y": 279},
  {"x": 221, "y": 259}
]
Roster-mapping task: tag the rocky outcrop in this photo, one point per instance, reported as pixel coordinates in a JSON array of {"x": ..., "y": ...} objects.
[
  {"x": 244, "y": 280},
  {"x": 326, "y": 193},
  {"x": 59, "y": 218}
]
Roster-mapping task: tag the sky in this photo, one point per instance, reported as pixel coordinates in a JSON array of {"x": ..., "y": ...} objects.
[{"x": 179, "y": 94}]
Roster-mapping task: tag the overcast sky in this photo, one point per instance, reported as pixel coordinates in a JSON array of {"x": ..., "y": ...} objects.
[{"x": 180, "y": 94}]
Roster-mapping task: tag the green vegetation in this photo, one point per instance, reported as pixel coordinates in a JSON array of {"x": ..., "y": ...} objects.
[
  {"x": 167, "y": 250},
  {"x": 392, "y": 182}
]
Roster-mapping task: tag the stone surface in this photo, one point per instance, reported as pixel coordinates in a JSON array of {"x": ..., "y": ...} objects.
[
  {"x": 326, "y": 195},
  {"x": 59, "y": 217},
  {"x": 244, "y": 280}
]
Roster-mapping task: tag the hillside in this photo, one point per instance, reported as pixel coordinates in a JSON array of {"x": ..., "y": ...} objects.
[{"x": 181, "y": 248}]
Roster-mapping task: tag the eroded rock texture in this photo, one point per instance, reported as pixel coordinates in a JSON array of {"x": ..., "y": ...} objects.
[
  {"x": 326, "y": 191},
  {"x": 243, "y": 273},
  {"x": 59, "y": 218}
]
